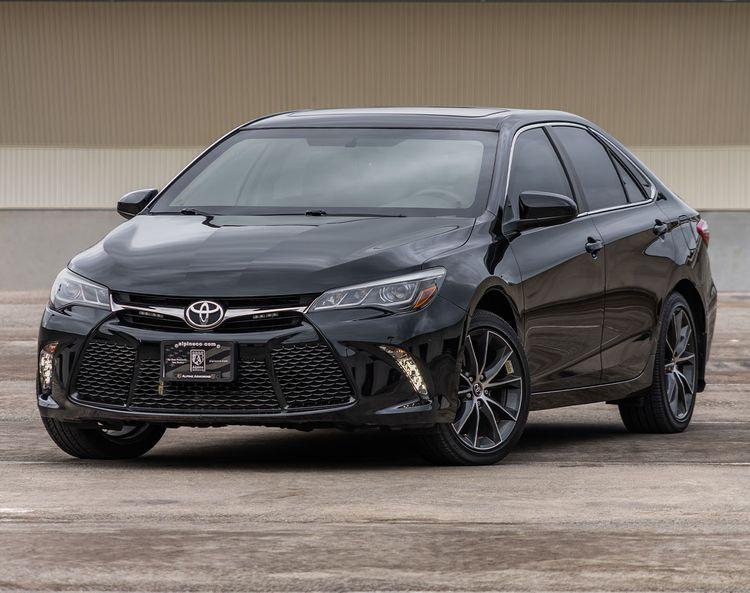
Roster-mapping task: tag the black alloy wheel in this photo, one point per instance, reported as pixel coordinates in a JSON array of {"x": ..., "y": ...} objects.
[
  {"x": 493, "y": 392},
  {"x": 669, "y": 404},
  {"x": 679, "y": 367}
]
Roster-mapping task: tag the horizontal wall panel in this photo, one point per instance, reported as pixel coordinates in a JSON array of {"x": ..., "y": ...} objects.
[
  {"x": 179, "y": 74},
  {"x": 713, "y": 178},
  {"x": 710, "y": 178},
  {"x": 83, "y": 177}
]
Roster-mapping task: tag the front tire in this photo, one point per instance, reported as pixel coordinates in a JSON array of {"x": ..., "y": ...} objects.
[
  {"x": 493, "y": 398},
  {"x": 668, "y": 406},
  {"x": 101, "y": 443}
]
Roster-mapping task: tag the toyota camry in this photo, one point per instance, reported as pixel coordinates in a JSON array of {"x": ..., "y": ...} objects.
[{"x": 440, "y": 271}]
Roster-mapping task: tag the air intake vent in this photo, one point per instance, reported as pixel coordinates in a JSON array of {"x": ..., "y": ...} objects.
[
  {"x": 105, "y": 373},
  {"x": 310, "y": 376}
]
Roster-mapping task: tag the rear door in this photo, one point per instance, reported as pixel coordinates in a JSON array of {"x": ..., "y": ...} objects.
[
  {"x": 637, "y": 246},
  {"x": 562, "y": 272}
]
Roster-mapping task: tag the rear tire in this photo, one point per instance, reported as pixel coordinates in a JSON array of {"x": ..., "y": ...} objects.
[
  {"x": 98, "y": 443},
  {"x": 494, "y": 398},
  {"x": 668, "y": 406}
]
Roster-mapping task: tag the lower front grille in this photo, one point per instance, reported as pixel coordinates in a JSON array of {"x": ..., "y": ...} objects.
[
  {"x": 309, "y": 376},
  {"x": 251, "y": 392},
  {"x": 292, "y": 378},
  {"x": 105, "y": 373}
]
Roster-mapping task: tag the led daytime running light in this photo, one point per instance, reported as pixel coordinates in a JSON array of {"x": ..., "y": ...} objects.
[
  {"x": 408, "y": 366},
  {"x": 46, "y": 366}
]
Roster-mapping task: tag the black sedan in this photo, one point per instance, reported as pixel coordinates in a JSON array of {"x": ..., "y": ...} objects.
[{"x": 441, "y": 271}]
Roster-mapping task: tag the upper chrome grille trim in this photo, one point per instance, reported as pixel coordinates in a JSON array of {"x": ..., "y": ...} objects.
[
  {"x": 179, "y": 312},
  {"x": 232, "y": 313},
  {"x": 169, "y": 311}
]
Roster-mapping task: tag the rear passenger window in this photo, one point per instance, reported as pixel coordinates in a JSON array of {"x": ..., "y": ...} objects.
[
  {"x": 596, "y": 172},
  {"x": 535, "y": 167},
  {"x": 632, "y": 187}
]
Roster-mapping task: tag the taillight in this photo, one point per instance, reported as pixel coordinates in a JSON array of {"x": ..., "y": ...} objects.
[{"x": 704, "y": 232}]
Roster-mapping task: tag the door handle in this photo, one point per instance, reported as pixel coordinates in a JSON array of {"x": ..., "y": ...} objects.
[
  {"x": 594, "y": 246},
  {"x": 660, "y": 227}
]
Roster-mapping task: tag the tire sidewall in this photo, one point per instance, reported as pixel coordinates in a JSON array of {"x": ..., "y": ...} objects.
[
  {"x": 92, "y": 443},
  {"x": 128, "y": 446}
]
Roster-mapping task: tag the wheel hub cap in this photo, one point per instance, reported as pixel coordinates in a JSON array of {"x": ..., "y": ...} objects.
[
  {"x": 490, "y": 389},
  {"x": 680, "y": 369}
]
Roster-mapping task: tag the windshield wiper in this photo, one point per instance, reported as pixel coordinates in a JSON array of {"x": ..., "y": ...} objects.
[
  {"x": 195, "y": 212},
  {"x": 316, "y": 212},
  {"x": 367, "y": 214}
]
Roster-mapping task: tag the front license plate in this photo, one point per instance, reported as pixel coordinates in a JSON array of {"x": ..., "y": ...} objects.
[{"x": 197, "y": 361}]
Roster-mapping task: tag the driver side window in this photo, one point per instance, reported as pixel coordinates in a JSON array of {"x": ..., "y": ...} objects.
[{"x": 536, "y": 167}]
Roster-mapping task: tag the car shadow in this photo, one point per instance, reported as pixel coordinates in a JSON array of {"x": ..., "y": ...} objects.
[{"x": 367, "y": 449}]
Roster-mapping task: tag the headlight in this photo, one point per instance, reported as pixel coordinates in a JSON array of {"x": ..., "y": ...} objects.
[
  {"x": 70, "y": 288},
  {"x": 403, "y": 293}
]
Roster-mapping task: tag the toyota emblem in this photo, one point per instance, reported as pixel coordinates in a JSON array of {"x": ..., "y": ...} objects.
[{"x": 204, "y": 314}]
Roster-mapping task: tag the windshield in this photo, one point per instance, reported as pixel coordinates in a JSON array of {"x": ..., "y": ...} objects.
[{"x": 339, "y": 171}]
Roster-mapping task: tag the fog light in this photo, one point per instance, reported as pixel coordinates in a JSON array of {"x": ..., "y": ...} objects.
[
  {"x": 408, "y": 366},
  {"x": 46, "y": 356}
]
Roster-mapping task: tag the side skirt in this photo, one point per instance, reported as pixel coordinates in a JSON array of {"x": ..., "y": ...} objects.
[{"x": 545, "y": 400}]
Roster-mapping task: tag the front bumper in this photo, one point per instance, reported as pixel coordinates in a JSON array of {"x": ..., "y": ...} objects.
[{"x": 334, "y": 357}]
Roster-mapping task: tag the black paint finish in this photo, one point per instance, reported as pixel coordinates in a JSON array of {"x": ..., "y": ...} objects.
[{"x": 584, "y": 295}]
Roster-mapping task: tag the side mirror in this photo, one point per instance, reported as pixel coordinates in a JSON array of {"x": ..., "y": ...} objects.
[
  {"x": 538, "y": 208},
  {"x": 131, "y": 204}
]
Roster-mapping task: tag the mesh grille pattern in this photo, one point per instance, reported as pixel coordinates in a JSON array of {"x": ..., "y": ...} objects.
[
  {"x": 105, "y": 373},
  {"x": 310, "y": 376},
  {"x": 250, "y": 393}
]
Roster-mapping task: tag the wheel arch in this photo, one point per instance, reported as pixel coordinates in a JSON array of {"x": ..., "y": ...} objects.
[
  {"x": 690, "y": 293},
  {"x": 493, "y": 298}
]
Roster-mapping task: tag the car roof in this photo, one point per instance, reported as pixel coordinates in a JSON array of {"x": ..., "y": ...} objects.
[{"x": 472, "y": 118}]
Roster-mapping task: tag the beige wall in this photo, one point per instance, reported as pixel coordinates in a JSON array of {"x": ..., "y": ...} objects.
[
  {"x": 98, "y": 98},
  {"x": 44, "y": 177}
]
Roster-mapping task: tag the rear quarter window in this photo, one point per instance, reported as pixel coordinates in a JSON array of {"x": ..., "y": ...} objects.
[{"x": 633, "y": 190}]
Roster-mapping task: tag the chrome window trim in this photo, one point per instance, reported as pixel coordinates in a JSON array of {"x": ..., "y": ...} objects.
[
  {"x": 653, "y": 192},
  {"x": 519, "y": 131}
]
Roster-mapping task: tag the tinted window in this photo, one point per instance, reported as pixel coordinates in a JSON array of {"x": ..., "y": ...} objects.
[
  {"x": 420, "y": 172},
  {"x": 535, "y": 167},
  {"x": 601, "y": 183},
  {"x": 632, "y": 188}
]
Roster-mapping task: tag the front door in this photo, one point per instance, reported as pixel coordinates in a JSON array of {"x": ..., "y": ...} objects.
[{"x": 562, "y": 269}]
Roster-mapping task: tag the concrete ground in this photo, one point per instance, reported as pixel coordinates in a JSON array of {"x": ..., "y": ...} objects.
[{"x": 580, "y": 505}]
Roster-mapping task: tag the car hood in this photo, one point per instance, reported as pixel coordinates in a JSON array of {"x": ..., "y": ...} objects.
[{"x": 263, "y": 255}]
